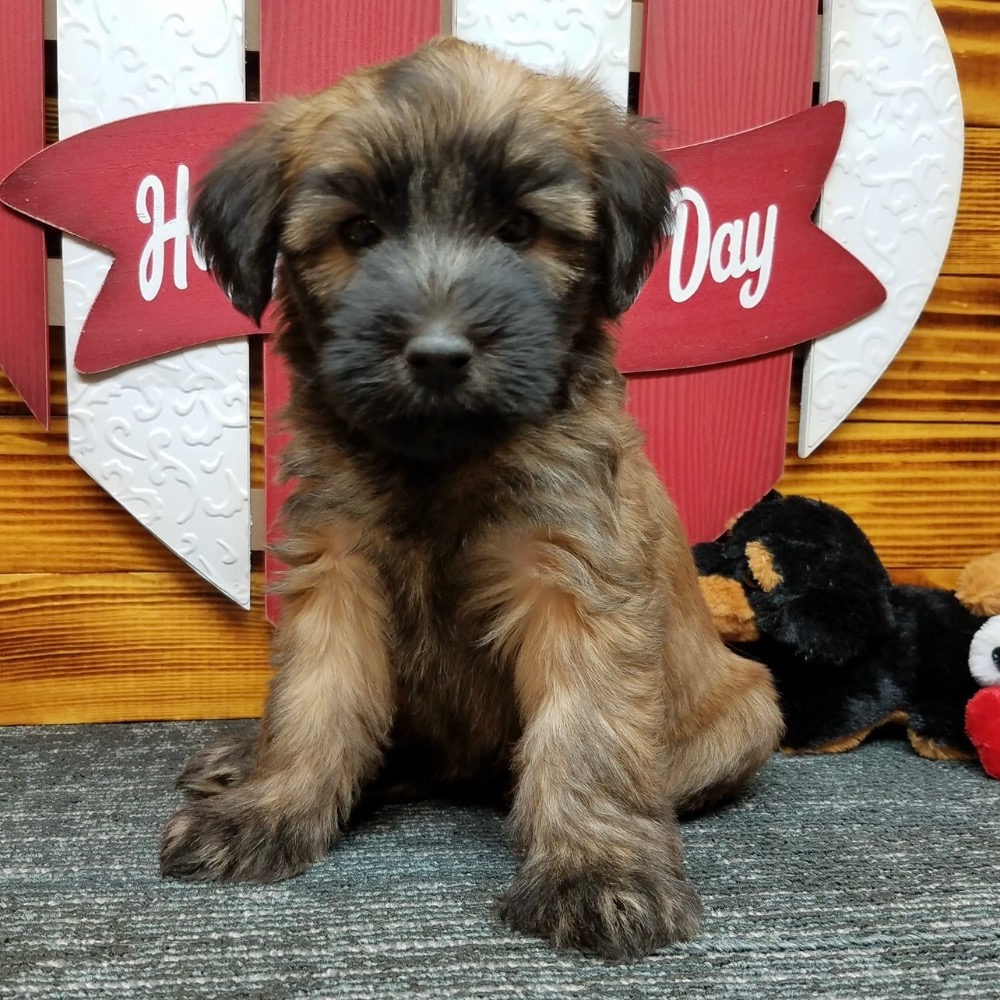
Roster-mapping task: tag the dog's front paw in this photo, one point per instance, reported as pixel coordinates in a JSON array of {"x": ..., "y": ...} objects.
[
  {"x": 621, "y": 916},
  {"x": 224, "y": 838},
  {"x": 224, "y": 764}
]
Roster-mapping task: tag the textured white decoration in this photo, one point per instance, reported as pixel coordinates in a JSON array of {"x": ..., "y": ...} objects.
[
  {"x": 589, "y": 37},
  {"x": 170, "y": 438},
  {"x": 892, "y": 195}
]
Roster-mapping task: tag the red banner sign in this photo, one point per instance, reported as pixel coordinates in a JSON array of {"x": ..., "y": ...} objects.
[
  {"x": 126, "y": 187},
  {"x": 746, "y": 272}
]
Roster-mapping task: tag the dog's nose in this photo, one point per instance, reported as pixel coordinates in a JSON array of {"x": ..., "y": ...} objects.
[{"x": 438, "y": 356}]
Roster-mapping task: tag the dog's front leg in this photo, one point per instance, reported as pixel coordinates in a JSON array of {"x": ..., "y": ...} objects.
[
  {"x": 327, "y": 718},
  {"x": 600, "y": 850}
]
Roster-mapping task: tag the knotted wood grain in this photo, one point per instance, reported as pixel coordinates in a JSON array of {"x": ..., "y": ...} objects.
[
  {"x": 55, "y": 519},
  {"x": 926, "y": 494},
  {"x": 973, "y": 29},
  {"x": 975, "y": 243},
  {"x": 127, "y": 646}
]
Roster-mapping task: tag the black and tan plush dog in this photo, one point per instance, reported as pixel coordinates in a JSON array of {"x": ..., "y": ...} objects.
[{"x": 486, "y": 579}]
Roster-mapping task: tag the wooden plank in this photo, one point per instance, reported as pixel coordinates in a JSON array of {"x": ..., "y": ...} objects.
[
  {"x": 926, "y": 494},
  {"x": 710, "y": 68},
  {"x": 56, "y": 519},
  {"x": 713, "y": 68},
  {"x": 975, "y": 247},
  {"x": 251, "y": 26},
  {"x": 24, "y": 344},
  {"x": 711, "y": 468},
  {"x": 296, "y": 58},
  {"x": 945, "y": 577},
  {"x": 113, "y": 647},
  {"x": 973, "y": 29},
  {"x": 949, "y": 369},
  {"x": 11, "y": 402}
]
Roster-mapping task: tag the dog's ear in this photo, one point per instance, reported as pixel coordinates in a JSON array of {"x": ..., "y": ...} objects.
[
  {"x": 236, "y": 217},
  {"x": 635, "y": 189}
]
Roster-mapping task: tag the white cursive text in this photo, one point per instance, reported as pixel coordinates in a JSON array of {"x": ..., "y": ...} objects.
[
  {"x": 150, "y": 207},
  {"x": 736, "y": 249}
]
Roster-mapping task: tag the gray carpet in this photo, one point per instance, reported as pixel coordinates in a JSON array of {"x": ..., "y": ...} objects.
[{"x": 871, "y": 875}]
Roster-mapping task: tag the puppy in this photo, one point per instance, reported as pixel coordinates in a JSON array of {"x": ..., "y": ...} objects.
[{"x": 486, "y": 581}]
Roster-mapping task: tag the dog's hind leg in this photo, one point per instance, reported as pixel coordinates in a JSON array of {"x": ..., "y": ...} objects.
[
  {"x": 722, "y": 720},
  {"x": 725, "y": 737}
]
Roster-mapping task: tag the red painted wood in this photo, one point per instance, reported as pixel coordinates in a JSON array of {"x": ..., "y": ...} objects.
[
  {"x": 747, "y": 272},
  {"x": 305, "y": 45},
  {"x": 24, "y": 332},
  {"x": 709, "y": 68},
  {"x": 713, "y": 67},
  {"x": 87, "y": 185}
]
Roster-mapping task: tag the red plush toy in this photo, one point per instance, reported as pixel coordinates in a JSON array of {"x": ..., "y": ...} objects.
[{"x": 982, "y": 713}]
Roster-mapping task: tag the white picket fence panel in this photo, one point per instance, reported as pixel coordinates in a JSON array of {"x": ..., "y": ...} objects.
[
  {"x": 590, "y": 37},
  {"x": 168, "y": 438},
  {"x": 892, "y": 195}
]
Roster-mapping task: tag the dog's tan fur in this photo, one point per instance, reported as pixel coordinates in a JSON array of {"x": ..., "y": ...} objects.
[{"x": 532, "y": 611}]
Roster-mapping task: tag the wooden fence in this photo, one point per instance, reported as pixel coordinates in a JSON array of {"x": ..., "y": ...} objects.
[{"x": 99, "y": 622}]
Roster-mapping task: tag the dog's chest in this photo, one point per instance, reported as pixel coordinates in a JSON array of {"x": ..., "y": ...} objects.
[{"x": 455, "y": 692}]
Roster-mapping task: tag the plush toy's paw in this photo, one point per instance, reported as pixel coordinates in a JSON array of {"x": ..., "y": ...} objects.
[
  {"x": 982, "y": 723},
  {"x": 227, "y": 839},
  {"x": 978, "y": 585},
  {"x": 620, "y": 916}
]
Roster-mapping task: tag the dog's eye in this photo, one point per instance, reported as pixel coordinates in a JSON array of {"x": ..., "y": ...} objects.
[
  {"x": 517, "y": 230},
  {"x": 360, "y": 232}
]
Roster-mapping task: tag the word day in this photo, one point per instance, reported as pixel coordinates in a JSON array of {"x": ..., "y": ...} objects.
[
  {"x": 150, "y": 208},
  {"x": 736, "y": 249}
]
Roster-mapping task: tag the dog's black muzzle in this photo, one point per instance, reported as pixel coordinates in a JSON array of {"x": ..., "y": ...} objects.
[{"x": 438, "y": 345}]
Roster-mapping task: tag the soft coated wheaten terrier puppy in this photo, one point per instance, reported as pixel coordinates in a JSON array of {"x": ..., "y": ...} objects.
[{"x": 486, "y": 580}]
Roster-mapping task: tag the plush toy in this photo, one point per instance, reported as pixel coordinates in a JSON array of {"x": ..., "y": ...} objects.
[
  {"x": 796, "y": 584},
  {"x": 982, "y": 713}
]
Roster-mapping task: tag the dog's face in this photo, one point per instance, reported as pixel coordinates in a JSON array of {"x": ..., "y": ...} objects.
[{"x": 453, "y": 230}]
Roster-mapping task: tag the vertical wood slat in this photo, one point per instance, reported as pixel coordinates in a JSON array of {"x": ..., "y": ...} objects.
[
  {"x": 892, "y": 195},
  {"x": 169, "y": 438},
  {"x": 305, "y": 45},
  {"x": 711, "y": 68},
  {"x": 24, "y": 333},
  {"x": 588, "y": 37}
]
